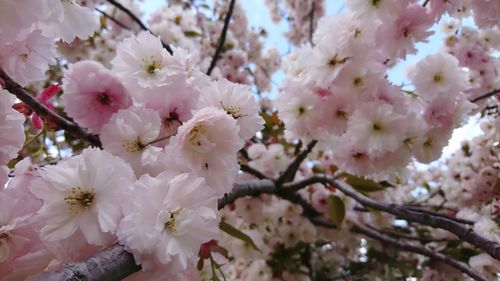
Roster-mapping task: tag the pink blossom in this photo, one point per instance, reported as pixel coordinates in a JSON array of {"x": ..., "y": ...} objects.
[
  {"x": 237, "y": 100},
  {"x": 67, "y": 20},
  {"x": 170, "y": 217},
  {"x": 398, "y": 38},
  {"x": 11, "y": 129},
  {"x": 82, "y": 199},
  {"x": 130, "y": 133},
  {"x": 18, "y": 225},
  {"x": 27, "y": 57},
  {"x": 438, "y": 74},
  {"x": 92, "y": 94},
  {"x": 208, "y": 144}
]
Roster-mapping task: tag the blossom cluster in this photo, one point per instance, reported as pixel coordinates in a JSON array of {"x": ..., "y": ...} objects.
[
  {"x": 191, "y": 27},
  {"x": 337, "y": 90},
  {"x": 170, "y": 137}
]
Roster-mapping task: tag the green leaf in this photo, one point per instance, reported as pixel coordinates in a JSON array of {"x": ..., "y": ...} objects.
[
  {"x": 336, "y": 209},
  {"x": 190, "y": 33},
  {"x": 365, "y": 185},
  {"x": 236, "y": 233}
]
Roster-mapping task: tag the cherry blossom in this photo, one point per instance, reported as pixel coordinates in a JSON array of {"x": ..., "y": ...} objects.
[
  {"x": 92, "y": 94},
  {"x": 83, "y": 195}
]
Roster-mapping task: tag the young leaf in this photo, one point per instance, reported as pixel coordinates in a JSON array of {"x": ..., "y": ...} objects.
[
  {"x": 365, "y": 185},
  {"x": 336, "y": 209},
  {"x": 236, "y": 233}
]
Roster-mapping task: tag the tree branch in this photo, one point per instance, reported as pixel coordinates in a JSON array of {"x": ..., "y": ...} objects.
[
  {"x": 485, "y": 96},
  {"x": 222, "y": 38},
  {"x": 110, "y": 17},
  {"x": 464, "y": 232},
  {"x": 373, "y": 233},
  {"x": 112, "y": 264},
  {"x": 421, "y": 210},
  {"x": 247, "y": 188},
  {"x": 138, "y": 21},
  {"x": 423, "y": 239},
  {"x": 46, "y": 113},
  {"x": 289, "y": 174},
  {"x": 311, "y": 21},
  {"x": 287, "y": 192},
  {"x": 249, "y": 170}
]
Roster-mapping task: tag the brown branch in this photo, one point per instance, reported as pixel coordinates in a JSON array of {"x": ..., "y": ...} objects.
[
  {"x": 311, "y": 21},
  {"x": 112, "y": 264},
  {"x": 110, "y": 17},
  {"x": 257, "y": 187},
  {"x": 425, "y": 3},
  {"x": 222, "y": 38},
  {"x": 249, "y": 170},
  {"x": 485, "y": 96},
  {"x": 423, "y": 239},
  {"x": 464, "y": 232},
  {"x": 46, "y": 113},
  {"x": 289, "y": 174},
  {"x": 249, "y": 188},
  {"x": 421, "y": 210},
  {"x": 463, "y": 267},
  {"x": 139, "y": 22}
]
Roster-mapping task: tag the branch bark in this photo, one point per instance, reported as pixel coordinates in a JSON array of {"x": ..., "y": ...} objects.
[
  {"x": 373, "y": 233},
  {"x": 289, "y": 174},
  {"x": 46, "y": 113},
  {"x": 256, "y": 187},
  {"x": 249, "y": 170},
  {"x": 464, "y": 232},
  {"x": 222, "y": 38},
  {"x": 485, "y": 96},
  {"x": 112, "y": 264}
]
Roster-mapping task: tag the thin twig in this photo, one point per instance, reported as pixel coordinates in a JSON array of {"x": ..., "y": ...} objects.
[
  {"x": 110, "y": 17},
  {"x": 423, "y": 239},
  {"x": 485, "y": 96},
  {"x": 289, "y": 174},
  {"x": 311, "y": 21},
  {"x": 138, "y": 21},
  {"x": 249, "y": 170},
  {"x": 465, "y": 268},
  {"x": 222, "y": 38},
  {"x": 425, "y": 3},
  {"x": 419, "y": 209},
  {"x": 47, "y": 114},
  {"x": 464, "y": 232}
]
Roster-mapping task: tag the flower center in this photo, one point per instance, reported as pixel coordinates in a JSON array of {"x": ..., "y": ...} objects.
[
  {"x": 438, "y": 77},
  {"x": 169, "y": 225},
  {"x": 199, "y": 140},
  {"x": 4, "y": 236},
  {"x": 233, "y": 111},
  {"x": 103, "y": 98},
  {"x": 341, "y": 114},
  {"x": 358, "y": 81},
  {"x": 152, "y": 66},
  {"x": 358, "y": 155},
  {"x": 376, "y": 126},
  {"x": 133, "y": 146},
  {"x": 79, "y": 200},
  {"x": 301, "y": 110},
  {"x": 333, "y": 62}
]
